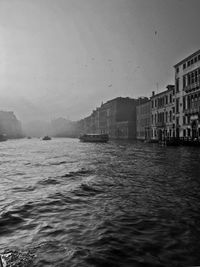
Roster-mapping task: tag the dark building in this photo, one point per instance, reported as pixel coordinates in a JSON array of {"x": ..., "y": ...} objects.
[{"x": 116, "y": 117}]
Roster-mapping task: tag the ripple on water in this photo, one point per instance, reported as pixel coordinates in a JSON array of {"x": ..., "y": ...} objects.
[{"x": 120, "y": 204}]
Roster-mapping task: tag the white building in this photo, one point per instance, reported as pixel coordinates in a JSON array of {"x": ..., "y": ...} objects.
[
  {"x": 187, "y": 96},
  {"x": 163, "y": 114}
]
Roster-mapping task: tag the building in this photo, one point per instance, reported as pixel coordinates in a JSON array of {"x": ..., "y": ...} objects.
[
  {"x": 10, "y": 125},
  {"x": 163, "y": 114},
  {"x": 144, "y": 119},
  {"x": 187, "y": 96},
  {"x": 116, "y": 117}
]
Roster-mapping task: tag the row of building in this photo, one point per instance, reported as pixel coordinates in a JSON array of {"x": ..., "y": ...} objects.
[{"x": 175, "y": 112}]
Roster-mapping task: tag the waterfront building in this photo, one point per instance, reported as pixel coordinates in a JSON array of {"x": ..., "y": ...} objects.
[
  {"x": 187, "y": 95},
  {"x": 116, "y": 117},
  {"x": 144, "y": 119},
  {"x": 163, "y": 114}
]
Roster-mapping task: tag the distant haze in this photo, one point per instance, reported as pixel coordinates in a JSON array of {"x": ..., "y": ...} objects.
[{"x": 62, "y": 58}]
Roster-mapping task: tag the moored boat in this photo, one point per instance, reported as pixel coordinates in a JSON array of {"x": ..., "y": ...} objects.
[{"x": 102, "y": 138}]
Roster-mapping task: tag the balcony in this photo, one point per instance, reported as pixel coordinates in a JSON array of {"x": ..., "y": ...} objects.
[
  {"x": 160, "y": 124},
  {"x": 192, "y": 87},
  {"x": 192, "y": 111}
]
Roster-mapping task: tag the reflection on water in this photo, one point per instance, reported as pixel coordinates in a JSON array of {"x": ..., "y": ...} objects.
[{"x": 115, "y": 204}]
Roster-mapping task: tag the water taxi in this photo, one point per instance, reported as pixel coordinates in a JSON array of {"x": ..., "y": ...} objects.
[{"x": 102, "y": 138}]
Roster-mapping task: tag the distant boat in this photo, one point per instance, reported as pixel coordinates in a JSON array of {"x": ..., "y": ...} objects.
[
  {"x": 3, "y": 137},
  {"x": 101, "y": 138},
  {"x": 46, "y": 137}
]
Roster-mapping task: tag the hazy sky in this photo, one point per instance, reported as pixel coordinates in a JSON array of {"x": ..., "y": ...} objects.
[{"x": 64, "y": 57}]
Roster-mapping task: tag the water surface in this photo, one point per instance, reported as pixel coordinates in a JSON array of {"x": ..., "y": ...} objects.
[{"x": 114, "y": 204}]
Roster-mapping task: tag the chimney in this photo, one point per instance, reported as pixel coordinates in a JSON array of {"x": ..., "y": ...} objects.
[{"x": 153, "y": 93}]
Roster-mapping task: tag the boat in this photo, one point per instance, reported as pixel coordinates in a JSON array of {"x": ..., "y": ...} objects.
[
  {"x": 3, "y": 137},
  {"x": 100, "y": 138},
  {"x": 46, "y": 137}
]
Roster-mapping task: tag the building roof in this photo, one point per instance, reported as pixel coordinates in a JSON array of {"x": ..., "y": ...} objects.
[
  {"x": 187, "y": 58},
  {"x": 169, "y": 88}
]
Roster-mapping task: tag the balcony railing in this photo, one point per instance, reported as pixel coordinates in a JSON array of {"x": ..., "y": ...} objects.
[
  {"x": 191, "y": 110},
  {"x": 160, "y": 124},
  {"x": 191, "y": 87}
]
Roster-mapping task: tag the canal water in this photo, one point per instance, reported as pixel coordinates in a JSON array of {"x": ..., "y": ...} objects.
[{"x": 115, "y": 204}]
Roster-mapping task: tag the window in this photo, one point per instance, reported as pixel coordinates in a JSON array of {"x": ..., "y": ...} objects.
[
  {"x": 166, "y": 116},
  {"x": 198, "y": 57},
  {"x": 166, "y": 100},
  {"x": 192, "y": 61},
  {"x": 184, "y": 81},
  {"x": 183, "y": 102},
  {"x": 170, "y": 98},
  {"x": 177, "y": 85},
  {"x": 177, "y": 121},
  {"x": 177, "y": 105},
  {"x": 152, "y": 103},
  {"x": 184, "y": 133},
  {"x": 188, "y": 132},
  {"x": 177, "y": 70},
  {"x": 195, "y": 59},
  {"x": 184, "y": 65},
  {"x": 170, "y": 116},
  {"x": 189, "y": 79},
  {"x": 183, "y": 119}
]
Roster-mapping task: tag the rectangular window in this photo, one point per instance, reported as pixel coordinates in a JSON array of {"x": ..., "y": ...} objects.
[
  {"x": 177, "y": 85},
  {"x": 183, "y": 102},
  {"x": 184, "y": 81},
  {"x": 184, "y": 65},
  {"x": 177, "y": 105},
  {"x": 188, "y": 132}
]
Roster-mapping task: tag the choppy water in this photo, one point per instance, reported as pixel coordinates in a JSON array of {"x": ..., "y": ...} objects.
[{"x": 116, "y": 204}]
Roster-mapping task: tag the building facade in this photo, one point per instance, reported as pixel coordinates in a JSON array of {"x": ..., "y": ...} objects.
[
  {"x": 163, "y": 114},
  {"x": 187, "y": 94},
  {"x": 144, "y": 119},
  {"x": 116, "y": 117}
]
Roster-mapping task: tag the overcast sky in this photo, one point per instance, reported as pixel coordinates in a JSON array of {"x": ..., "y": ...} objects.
[{"x": 64, "y": 57}]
